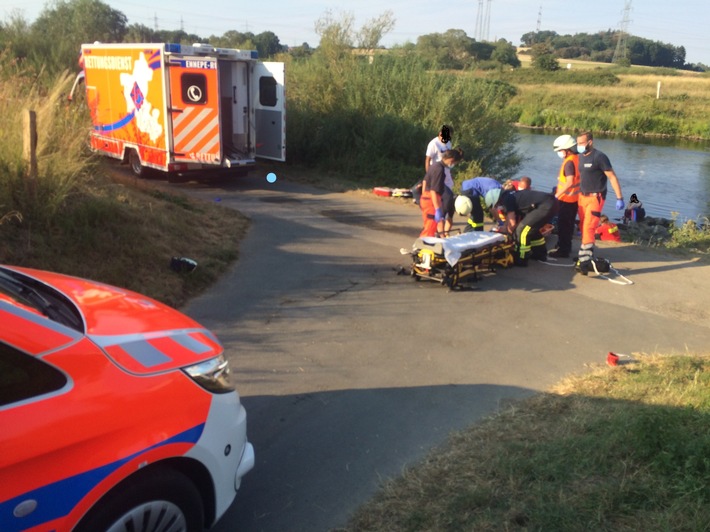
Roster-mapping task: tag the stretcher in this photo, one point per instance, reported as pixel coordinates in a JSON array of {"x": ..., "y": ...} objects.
[{"x": 460, "y": 258}]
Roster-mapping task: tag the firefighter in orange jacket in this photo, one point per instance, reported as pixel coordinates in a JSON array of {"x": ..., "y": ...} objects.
[
  {"x": 567, "y": 192},
  {"x": 608, "y": 230}
]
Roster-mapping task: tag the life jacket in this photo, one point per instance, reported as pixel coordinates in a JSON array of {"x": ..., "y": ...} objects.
[{"x": 572, "y": 193}]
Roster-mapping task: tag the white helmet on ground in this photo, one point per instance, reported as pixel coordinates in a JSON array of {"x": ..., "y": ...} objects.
[
  {"x": 492, "y": 197},
  {"x": 463, "y": 205},
  {"x": 563, "y": 142}
]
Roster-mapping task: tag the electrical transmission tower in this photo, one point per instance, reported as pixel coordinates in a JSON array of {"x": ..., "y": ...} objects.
[
  {"x": 620, "y": 52},
  {"x": 539, "y": 20},
  {"x": 483, "y": 20}
]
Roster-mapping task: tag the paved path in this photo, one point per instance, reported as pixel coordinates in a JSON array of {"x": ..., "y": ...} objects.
[{"x": 349, "y": 372}]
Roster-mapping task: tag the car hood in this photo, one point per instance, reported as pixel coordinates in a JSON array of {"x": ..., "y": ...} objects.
[{"x": 140, "y": 334}]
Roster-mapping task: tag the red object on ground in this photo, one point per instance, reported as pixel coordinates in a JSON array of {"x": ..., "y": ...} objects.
[
  {"x": 382, "y": 191},
  {"x": 612, "y": 359}
]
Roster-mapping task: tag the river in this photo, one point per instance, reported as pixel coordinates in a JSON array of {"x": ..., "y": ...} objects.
[{"x": 667, "y": 176}]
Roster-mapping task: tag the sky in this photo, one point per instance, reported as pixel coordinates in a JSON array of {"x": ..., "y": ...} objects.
[{"x": 293, "y": 20}]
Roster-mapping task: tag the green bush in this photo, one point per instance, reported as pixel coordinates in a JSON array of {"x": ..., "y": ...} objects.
[{"x": 597, "y": 77}]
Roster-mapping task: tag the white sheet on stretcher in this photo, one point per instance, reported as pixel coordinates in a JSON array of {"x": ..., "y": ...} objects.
[{"x": 455, "y": 246}]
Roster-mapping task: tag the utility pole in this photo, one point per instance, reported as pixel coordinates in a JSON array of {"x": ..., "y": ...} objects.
[{"x": 620, "y": 52}]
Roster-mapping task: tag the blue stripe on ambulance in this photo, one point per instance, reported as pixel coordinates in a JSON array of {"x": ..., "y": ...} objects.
[
  {"x": 58, "y": 499},
  {"x": 116, "y": 125}
]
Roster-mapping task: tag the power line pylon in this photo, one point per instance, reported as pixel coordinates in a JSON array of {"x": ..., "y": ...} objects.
[
  {"x": 483, "y": 20},
  {"x": 539, "y": 20},
  {"x": 620, "y": 52}
]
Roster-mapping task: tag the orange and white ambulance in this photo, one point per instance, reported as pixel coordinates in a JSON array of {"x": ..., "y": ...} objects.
[{"x": 179, "y": 108}]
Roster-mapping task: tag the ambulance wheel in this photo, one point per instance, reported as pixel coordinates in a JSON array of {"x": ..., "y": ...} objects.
[{"x": 134, "y": 161}]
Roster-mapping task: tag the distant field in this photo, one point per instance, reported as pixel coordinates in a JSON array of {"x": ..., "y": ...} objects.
[{"x": 645, "y": 101}]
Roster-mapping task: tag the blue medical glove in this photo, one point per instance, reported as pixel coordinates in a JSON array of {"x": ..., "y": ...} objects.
[
  {"x": 439, "y": 215},
  {"x": 619, "y": 204}
]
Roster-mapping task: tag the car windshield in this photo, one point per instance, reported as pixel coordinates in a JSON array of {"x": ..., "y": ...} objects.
[{"x": 40, "y": 297}]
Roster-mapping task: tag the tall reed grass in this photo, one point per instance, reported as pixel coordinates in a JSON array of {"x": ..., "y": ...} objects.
[
  {"x": 63, "y": 161},
  {"x": 373, "y": 121}
]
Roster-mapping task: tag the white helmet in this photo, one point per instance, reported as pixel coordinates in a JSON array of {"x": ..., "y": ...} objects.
[
  {"x": 492, "y": 197},
  {"x": 563, "y": 142},
  {"x": 463, "y": 205}
]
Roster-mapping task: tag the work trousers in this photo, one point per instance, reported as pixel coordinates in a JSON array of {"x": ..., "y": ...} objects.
[
  {"x": 475, "y": 220},
  {"x": 590, "y": 211},
  {"x": 530, "y": 241},
  {"x": 428, "y": 215},
  {"x": 566, "y": 218}
]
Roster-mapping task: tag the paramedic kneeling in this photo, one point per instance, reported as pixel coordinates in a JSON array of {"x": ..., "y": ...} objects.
[
  {"x": 594, "y": 170},
  {"x": 526, "y": 212},
  {"x": 433, "y": 189},
  {"x": 475, "y": 189}
]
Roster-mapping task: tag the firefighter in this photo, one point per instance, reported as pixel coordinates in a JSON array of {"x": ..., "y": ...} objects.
[
  {"x": 567, "y": 192},
  {"x": 525, "y": 212},
  {"x": 475, "y": 190}
]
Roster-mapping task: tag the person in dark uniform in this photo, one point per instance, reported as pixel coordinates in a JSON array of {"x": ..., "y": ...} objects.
[
  {"x": 433, "y": 194},
  {"x": 525, "y": 212},
  {"x": 594, "y": 171}
]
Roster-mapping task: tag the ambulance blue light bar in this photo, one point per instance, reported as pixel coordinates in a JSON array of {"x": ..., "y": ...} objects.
[{"x": 207, "y": 49}]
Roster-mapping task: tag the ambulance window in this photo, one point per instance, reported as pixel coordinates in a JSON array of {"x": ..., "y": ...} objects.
[
  {"x": 23, "y": 376},
  {"x": 267, "y": 91},
  {"x": 194, "y": 88}
]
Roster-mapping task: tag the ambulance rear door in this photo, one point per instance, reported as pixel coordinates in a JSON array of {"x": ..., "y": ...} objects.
[
  {"x": 194, "y": 109},
  {"x": 268, "y": 92}
]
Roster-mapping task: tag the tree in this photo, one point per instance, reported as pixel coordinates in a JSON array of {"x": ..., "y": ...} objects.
[
  {"x": 505, "y": 53},
  {"x": 452, "y": 49},
  {"x": 543, "y": 58},
  {"x": 140, "y": 33},
  {"x": 59, "y": 31},
  {"x": 537, "y": 37},
  {"x": 370, "y": 35},
  {"x": 267, "y": 44}
]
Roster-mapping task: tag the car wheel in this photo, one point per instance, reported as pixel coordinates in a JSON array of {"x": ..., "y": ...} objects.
[
  {"x": 159, "y": 500},
  {"x": 134, "y": 162}
]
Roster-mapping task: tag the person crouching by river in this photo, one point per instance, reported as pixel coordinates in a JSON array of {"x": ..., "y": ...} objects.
[{"x": 433, "y": 189}]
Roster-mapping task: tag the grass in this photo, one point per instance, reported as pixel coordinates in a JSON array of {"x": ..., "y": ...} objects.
[
  {"x": 125, "y": 234},
  {"x": 622, "y": 448},
  {"x": 570, "y": 100}
]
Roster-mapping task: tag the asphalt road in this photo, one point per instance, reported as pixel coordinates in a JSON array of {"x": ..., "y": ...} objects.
[{"x": 350, "y": 372}]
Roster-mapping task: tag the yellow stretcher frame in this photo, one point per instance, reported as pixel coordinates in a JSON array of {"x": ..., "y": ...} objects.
[{"x": 428, "y": 262}]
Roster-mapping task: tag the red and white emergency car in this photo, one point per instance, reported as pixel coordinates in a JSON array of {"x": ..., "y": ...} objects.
[{"x": 116, "y": 411}]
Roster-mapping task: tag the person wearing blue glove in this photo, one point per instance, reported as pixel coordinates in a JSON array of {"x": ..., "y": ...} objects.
[
  {"x": 433, "y": 190},
  {"x": 594, "y": 171}
]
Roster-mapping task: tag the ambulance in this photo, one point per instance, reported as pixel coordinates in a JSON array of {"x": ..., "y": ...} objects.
[{"x": 183, "y": 109}]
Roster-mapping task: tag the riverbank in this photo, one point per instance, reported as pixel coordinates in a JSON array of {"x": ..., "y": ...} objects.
[{"x": 639, "y": 103}]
